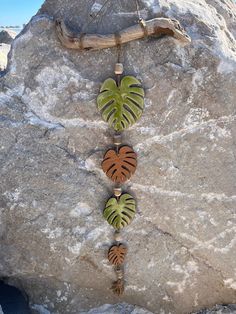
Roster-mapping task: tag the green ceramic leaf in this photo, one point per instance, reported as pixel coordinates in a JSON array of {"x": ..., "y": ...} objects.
[
  {"x": 121, "y": 106},
  {"x": 119, "y": 213}
]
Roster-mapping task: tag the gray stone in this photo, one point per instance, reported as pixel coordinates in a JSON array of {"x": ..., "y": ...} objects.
[
  {"x": 7, "y": 36},
  {"x": 220, "y": 309},
  {"x": 117, "y": 309},
  {"x": 53, "y": 239}
]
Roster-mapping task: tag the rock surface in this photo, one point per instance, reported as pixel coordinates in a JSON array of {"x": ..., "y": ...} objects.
[
  {"x": 7, "y": 36},
  {"x": 4, "y": 50},
  {"x": 53, "y": 239},
  {"x": 220, "y": 309},
  {"x": 117, "y": 309}
]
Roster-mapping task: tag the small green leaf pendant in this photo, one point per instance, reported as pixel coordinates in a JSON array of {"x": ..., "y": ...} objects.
[
  {"x": 121, "y": 106},
  {"x": 120, "y": 212}
]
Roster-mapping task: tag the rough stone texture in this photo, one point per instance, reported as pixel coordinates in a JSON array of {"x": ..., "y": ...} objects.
[
  {"x": 117, "y": 309},
  {"x": 127, "y": 308},
  {"x": 7, "y": 36},
  {"x": 53, "y": 239},
  {"x": 220, "y": 309}
]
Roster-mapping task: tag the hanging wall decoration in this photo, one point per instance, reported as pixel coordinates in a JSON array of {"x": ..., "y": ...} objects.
[
  {"x": 121, "y": 104},
  {"x": 119, "y": 164}
]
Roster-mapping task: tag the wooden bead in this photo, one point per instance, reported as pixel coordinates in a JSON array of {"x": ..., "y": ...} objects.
[
  {"x": 117, "y": 139},
  {"x": 117, "y": 192},
  {"x": 117, "y": 236},
  {"x": 119, "y": 69}
]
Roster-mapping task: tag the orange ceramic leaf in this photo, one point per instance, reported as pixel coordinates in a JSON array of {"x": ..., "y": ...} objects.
[
  {"x": 116, "y": 254},
  {"x": 119, "y": 166}
]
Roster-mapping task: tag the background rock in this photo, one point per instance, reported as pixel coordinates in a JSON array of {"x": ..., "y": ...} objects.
[
  {"x": 4, "y": 50},
  {"x": 7, "y": 36},
  {"x": 53, "y": 239}
]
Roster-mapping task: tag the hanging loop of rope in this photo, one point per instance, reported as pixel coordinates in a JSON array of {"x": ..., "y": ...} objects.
[
  {"x": 93, "y": 18},
  {"x": 118, "y": 45},
  {"x": 141, "y": 21},
  {"x": 138, "y": 10}
]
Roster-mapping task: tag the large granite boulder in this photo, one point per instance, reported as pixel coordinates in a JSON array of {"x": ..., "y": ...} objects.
[{"x": 53, "y": 239}]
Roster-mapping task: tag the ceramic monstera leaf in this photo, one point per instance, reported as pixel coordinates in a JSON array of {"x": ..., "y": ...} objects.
[
  {"x": 116, "y": 254},
  {"x": 120, "y": 212},
  {"x": 119, "y": 165},
  {"x": 121, "y": 106}
]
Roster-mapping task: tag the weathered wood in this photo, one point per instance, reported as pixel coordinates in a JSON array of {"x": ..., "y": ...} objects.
[{"x": 154, "y": 27}]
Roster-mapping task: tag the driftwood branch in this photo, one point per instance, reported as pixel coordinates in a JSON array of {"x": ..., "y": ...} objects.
[{"x": 155, "y": 27}]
